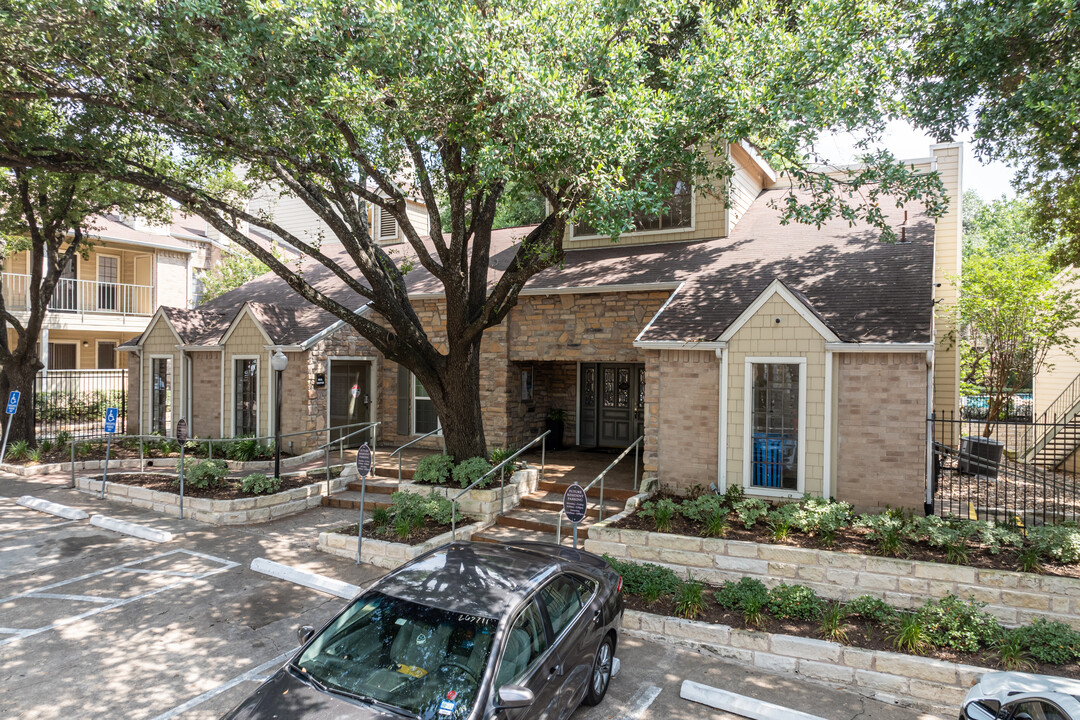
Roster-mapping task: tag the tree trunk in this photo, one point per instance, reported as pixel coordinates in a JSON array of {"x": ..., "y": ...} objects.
[
  {"x": 14, "y": 377},
  {"x": 456, "y": 397}
]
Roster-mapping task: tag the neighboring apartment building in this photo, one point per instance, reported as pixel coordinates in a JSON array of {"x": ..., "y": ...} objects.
[{"x": 785, "y": 359}]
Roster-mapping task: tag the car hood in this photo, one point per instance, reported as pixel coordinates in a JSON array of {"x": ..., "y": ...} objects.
[
  {"x": 284, "y": 696},
  {"x": 1001, "y": 685}
]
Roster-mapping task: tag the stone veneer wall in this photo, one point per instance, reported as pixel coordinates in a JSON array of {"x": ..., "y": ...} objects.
[
  {"x": 1014, "y": 598},
  {"x": 386, "y": 554}
]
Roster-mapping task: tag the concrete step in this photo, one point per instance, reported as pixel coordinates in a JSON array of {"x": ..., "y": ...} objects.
[
  {"x": 553, "y": 501},
  {"x": 499, "y": 534},
  {"x": 350, "y": 500},
  {"x": 610, "y": 493},
  {"x": 377, "y": 485},
  {"x": 541, "y": 521}
]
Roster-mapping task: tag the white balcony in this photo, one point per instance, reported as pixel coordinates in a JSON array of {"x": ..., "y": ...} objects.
[{"x": 82, "y": 296}]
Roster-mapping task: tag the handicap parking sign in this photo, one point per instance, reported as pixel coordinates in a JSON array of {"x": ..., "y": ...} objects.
[
  {"x": 110, "y": 420},
  {"x": 13, "y": 402}
]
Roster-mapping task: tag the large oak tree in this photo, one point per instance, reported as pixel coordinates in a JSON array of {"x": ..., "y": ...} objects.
[{"x": 585, "y": 102}]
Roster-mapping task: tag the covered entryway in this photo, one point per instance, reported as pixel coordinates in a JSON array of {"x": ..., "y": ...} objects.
[
  {"x": 350, "y": 398},
  {"x": 612, "y": 403}
]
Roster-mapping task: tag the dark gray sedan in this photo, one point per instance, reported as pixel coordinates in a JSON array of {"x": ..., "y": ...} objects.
[{"x": 470, "y": 630}]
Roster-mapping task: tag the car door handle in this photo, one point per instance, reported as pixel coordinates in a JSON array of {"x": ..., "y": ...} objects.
[
  {"x": 596, "y": 616},
  {"x": 556, "y": 670}
]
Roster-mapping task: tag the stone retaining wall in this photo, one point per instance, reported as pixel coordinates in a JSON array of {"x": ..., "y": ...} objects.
[
  {"x": 216, "y": 512},
  {"x": 1014, "y": 598},
  {"x": 386, "y": 554},
  {"x": 484, "y": 505},
  {"x": 250, "y": 466},
  {"x": 906, "y": 680}
]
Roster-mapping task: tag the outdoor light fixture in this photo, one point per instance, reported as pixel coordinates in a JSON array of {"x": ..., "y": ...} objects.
[{"x": 278, "y": 363}]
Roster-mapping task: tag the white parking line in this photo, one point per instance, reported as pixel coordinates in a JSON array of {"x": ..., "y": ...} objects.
[
  {"x": 255, "y": 674},
  {"x": 641, "y": 701},
  {"x": 41, "y": 592}
]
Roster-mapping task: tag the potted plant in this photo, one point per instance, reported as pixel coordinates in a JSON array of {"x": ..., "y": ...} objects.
[{"x": 556, "y": 423}]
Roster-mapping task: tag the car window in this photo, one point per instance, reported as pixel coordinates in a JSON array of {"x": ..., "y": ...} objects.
[
  {"x": 1037, "y": 710},
  {"x": 525, "y": 643},
  {"x": 563, "y": 598}
]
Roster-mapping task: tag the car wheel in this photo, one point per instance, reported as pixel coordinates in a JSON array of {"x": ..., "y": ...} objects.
[{"x": 601, "y": 673}]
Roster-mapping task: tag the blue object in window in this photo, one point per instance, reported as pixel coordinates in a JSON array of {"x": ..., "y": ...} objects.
[{"x": 767, "y": 461}]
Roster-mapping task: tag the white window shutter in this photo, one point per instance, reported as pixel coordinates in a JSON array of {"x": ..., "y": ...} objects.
[{"x": 387, "y": 225}]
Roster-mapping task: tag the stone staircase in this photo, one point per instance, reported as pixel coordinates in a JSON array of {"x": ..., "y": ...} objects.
[
  {"x": 537, "y": 517},
  {"x": 378, "y": 492}
]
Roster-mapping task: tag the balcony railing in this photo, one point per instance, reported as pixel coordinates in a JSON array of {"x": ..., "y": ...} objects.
[{"x": 82, "y": 296}]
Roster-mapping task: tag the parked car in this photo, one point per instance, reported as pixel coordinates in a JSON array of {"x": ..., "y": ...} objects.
[
  {"x": 1022, "y": 696},
  {"x": 469, "y": 630}
]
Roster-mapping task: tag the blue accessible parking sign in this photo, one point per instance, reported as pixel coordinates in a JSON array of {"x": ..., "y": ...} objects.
[
  {"x": 110, "y": 420},
  {"x": 13, "y": 402}
]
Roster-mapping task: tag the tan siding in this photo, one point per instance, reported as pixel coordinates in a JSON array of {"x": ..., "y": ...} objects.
[
  {"x": 746, "y": 184},
  {"x": 792, "y": 337},
  {"x": 247, "y": 339},
  {"x": 947, "y": 265},
  {"x": 17, "y": 264},
  {"x": 1061, "y": 370},
  {"x": 709, "y": 218},
  {"x": 161, "y": 341}
]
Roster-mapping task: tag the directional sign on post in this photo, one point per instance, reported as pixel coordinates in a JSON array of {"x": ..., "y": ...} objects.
[
  {"x": 13, "y": 401},
  {"x": 110, "y": 420},
  {"x": 363, "y": 461},
  {"x": 181, "y": 431}
]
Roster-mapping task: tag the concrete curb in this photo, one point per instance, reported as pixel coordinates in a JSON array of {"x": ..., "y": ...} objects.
[
  {"x": 130, "y": 528},
  {"x": 64, "y": 511},
  {"x": 739, "y": 704},
  {"x": 305, "y": 578}
]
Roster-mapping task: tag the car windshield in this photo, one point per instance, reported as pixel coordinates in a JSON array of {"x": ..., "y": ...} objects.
[{"x": 426, "y": 661}]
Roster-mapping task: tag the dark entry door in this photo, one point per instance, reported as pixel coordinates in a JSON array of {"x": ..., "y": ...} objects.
[
  {"x": 350, "y": 399},
  {"x": 612, "y": 404}
]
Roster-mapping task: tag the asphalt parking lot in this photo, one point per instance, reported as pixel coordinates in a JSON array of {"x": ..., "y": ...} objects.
[{"x": 94, "y": 624}]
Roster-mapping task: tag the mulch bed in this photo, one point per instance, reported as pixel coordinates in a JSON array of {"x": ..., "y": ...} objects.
[
  {"x": 230, "y": 491},
  {"x": 387, "y": 533},
  {"x": 861, "y": 634},
  {"x": 848, "y": 540},
  {"x": 116, "y": 453}
]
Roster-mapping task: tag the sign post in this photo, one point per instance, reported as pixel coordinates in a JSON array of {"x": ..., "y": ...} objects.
[
  {"x": 575, "y": 506},
  {"x": 363, "y": 469},
  {"x": 181, "y": 436},
  {"x": 110, "y": 428},
  {"x": 12, "y": 406}
]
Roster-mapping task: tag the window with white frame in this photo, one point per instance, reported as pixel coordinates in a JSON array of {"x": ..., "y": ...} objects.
[
  {"x": 198, "y": 288},
  {"x": 425, "y": 419},
  {"x": 160, "y": 395},
  {"x": 775, "y": 409},
  {"x": 246, "y": 394},
  {"x": 676, "y": 212},
  {"x": 387, "y": 225}
]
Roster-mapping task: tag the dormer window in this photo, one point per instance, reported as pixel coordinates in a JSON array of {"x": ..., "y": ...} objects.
[
  {"x": 677, "y": 213},
  {"x": 386, "y": 225}
]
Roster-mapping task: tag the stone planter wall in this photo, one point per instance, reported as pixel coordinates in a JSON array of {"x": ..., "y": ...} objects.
[
  {"x": 216, "y": 512},
  {"x": 1014, "y": 598},
  {"x": 386, "y": 554},
  {"x": 483, "y": 505},
  {"x": 906, "y": 680},
  {"x": 150, "y": 463}
]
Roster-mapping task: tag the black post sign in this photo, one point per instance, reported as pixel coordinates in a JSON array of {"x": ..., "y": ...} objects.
[
  {"x": 363, "y": 469},
  {"x": 575, "y": 506},
  {"x": 182, "y": 438}
]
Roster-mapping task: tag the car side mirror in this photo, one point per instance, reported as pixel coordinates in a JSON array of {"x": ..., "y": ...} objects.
[
  {"x": 514, "y": 696},
  {"x": 984, "y": 710},
  {"x": 304, "y": 633}
]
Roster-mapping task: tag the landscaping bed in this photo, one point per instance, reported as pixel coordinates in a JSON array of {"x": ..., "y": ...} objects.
[
  {"x": 826, "y": 525},
  {"x": 126, "y": 448},
  {"x": 949, "y": 629},
  {"x": 411, "y": 519},
  {"x": 230, "y": 490}
]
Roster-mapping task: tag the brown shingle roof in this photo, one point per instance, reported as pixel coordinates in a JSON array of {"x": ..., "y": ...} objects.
[{"x": 863, "y": 289}]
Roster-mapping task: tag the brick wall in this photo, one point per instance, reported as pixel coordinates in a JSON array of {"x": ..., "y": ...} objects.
[
  {"x": 881, "y": 429},
  {"x": 688, "y": 391},
  {"x": 133, "y": 361},
  {"x": 205, "y": 394}
]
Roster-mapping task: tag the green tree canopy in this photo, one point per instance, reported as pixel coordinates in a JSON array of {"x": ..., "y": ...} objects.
[{"x": 588, "y": 104}]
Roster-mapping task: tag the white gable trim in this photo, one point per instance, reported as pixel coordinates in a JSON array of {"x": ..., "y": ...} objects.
[
  {"x": 778, "y": 288},
  {"x": 638, "y": 342},
  {"x": 245, "y": 310},
  {"x": 159, "y": 315},
  {"x": 330, "y": 329}
]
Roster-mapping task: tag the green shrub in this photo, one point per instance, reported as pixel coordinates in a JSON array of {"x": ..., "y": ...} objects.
[
  {"x": 434, "y": 469},
  {"x": 469, "y": 471},
  {"x": 823, "y": 518},
  {"x": 733, "y": 494},
  {"x": 690, "y": 599},
  {"x": 410, "y": 511},
  {"x": 380, "y": 517},
  {"x": 832, "y": 623},
  {"x": 750, "y": 510},
  {"x": 244, "y": 450},
  {"x": 45, "y": 446},
  {"x": 499, "y": 454},
  {"x": 870, "y": 608},
  {"x": 909, "y": 633},
  {"x": 259, "y": 484},
  {"x": 1049, "y": 641},
  {"x": 887, "y": 531},
  {"x": 736, "y": 595},
  {"x": 959, "y": 625},
  {"x": 18, "y": 451},
  {"x": 648, "y": 581},
  {"x": 1057, "y": 542},
  {"x": 1013, "y": 652},
  {"x": 794, "y": 602},
  {"x": 702, "y": 507},
  {"x": 63, "y": 438},
  {"x": 206, "y": 474},
  {"x": 662, "y": 512}
]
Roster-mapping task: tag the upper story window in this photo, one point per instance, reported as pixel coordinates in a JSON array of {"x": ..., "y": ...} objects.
[
  {"x": 198, "y": 288},
  {"x": 386, "y": 225},
  {"x": 677, "y": 213}
]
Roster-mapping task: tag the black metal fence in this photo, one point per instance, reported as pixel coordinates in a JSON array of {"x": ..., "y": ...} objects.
[
  {"x": 1019, "y": 408},
  {"x": 74, "y": 401},
  {"x": 1021, "y": 473}
]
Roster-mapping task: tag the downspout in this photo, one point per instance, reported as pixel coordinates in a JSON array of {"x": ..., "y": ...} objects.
[
  {"x": 928, "y": 505},
  {"x": 721, "y": 440},
  {"x": 827, "y": 465},
  {"x": 139, "y": 353}
]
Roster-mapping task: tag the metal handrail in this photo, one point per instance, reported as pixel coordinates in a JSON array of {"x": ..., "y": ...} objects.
[
  {"x": 341, "y": 451},
  {"x": 1066, "y": 406},
  {"x": 416, "y": 440},
  {"x": 600, "y": 479},
  {"x": 501, "y": 467}
]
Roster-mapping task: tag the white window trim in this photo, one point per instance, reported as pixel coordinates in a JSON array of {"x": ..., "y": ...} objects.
[
  {"x": 412, "y": 406},
  {"x": 747, "y": 474},
  {"x": 258, "y": 389},
  {"x": 172, "y": 379},
  {"x": 644, "y": 233}
]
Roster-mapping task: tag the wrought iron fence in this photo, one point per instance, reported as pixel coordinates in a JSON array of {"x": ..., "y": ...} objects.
[
  {"x": 1019, "y": 408},
  {"x": 74, "y": 401},
  {"x": 997, "y": 477}
]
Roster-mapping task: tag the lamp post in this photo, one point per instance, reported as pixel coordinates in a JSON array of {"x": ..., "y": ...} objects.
[{"x": 278, "y": 362}]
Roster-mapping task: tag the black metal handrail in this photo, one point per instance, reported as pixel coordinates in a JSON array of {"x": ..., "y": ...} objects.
[{"x": 1058, "y": 414}]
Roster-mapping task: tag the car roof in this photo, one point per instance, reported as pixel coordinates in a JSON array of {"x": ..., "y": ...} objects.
[
  {"x": 474, "y": 578},
  {"x": 1005, "y": 685}
]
